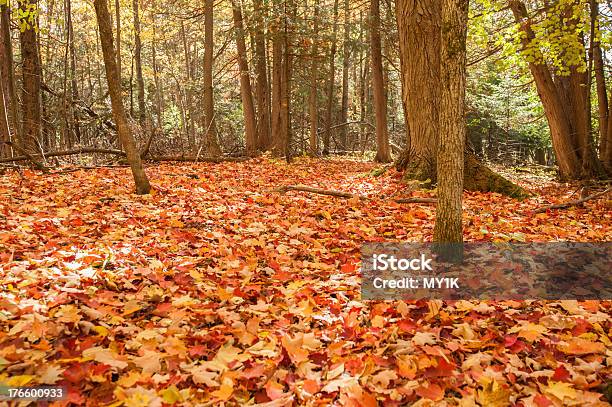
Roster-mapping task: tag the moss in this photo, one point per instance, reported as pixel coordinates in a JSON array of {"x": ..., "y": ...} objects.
[{"x": 477, "y": 177}]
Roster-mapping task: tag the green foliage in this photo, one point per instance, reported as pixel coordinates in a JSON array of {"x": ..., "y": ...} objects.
[{"x": 25, "y": 15}]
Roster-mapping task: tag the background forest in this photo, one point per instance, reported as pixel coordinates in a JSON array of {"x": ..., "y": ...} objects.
[{"x": 180, "y": 63}]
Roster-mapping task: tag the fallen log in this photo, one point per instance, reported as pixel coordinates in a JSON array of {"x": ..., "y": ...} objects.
[
  {"x": 348, "y": 195},
  {"x": 201, "y": 159},
  {"x": 569, "y": 204},
  {"x": 76, "y": 151}
]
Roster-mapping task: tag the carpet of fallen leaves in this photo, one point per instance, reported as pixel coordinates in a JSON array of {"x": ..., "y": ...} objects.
[{"x": 215, "y": 289}]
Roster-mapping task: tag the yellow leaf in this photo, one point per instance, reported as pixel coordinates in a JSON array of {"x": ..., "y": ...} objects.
[
  {"x": 101, "y": 331},
  {"x": 494, "y": 395},
  {"x": 18, "y": 381},
  {"x": 226, "y": 390},
  {"x": 171, "y": 395},
  {"x": 560, "y": 390}
]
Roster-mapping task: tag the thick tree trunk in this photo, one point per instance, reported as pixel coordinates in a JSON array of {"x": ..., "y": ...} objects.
[
  {"x": 383, "y": 152},
  {"x": 30, "y": 96},
  {"x": 419, "y": 38},
  {"x": 453, "y": 131},
  {"x": 566, "y": 107},
  {"x": 346, "y": 63},
  {"x": 112, "y": 75},
  {"x": 330, "y": 84},
  {"x": 262, "y": 89},
  {"x": 138, "y": 62},
  {"x": 5, "y": 132},
  {"x": 419, "y": 26},
  {"x": 313, "y": 106},
  {"x": 246, "y": 91},
  {"x": 210, "y": 136}
]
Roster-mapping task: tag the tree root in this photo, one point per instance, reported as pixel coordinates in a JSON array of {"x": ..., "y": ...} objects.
[
  {"x": 348, "y": 195},
  {"x": 573, "y": 203}
]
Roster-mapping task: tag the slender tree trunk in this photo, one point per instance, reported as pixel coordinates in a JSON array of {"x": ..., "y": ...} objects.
[
  {"x": 453, "y": 131},
  {"x": 30, "y": 96},
  {"x": 158, "y": 98},
  {"x": 112, "y": 75},
  {"x": 330, "y": 84},
  {"x": 346, "y": 63},
  {"x": 600, "y": 80},
  {"x": 118, "y": 42},
  {"x": 138, "y": 62},
  {"x": 262, "y": 89},
  {"x": 7, "y": 77},
  {"x": 383, "y": 152},
  {"x": 5, "y": 132},
  {"x": 312, "y": 101},
  {"x": 74, "y": 90},
  {"x": 286, "y": 84},
  {"x": 210, "y": 136},
  {"x": 277, "y": 93},
  {"x": 189, "y": 126},
  {"x": 246, "y": 92}
]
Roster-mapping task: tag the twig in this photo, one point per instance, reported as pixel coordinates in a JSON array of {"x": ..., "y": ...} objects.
[
  {"x": 348, "y": 195},
  {"x": 573, "y": 203}
]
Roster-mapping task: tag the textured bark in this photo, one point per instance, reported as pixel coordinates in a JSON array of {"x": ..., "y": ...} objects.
[
  {"x": 453, "y": 131},
  {"x": 313, "y": 107},
  {"x": 118, "y": 37},
  {"x": 189, "y": 125},
  {"x": 419, "y": 38},
  {"x": 383, "y": 152},
  {"x": 7, "y": 76},
  {"x": 330, "y": 83},
  {"x": 419, "y": 26},
  {"x": 74, "y": 90},
  {"x": 30, "y": 96},
  {"x": 138, "y": 64},
  {"x": 262, "y": 89},
  {"x": 246, "y": 92},
  {"x": 346, "y": 63},
  {"x": 277, "y": 92},
  {"x": 600, "y": 80},
  {"x": 211, "y": 143},
  {"x": 112, "y": 75},
  {"x": 8, "y": 115}
]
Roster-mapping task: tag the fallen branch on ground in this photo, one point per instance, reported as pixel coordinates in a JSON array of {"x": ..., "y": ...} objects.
[
  {"x": 76, "y": 151},
  {"x": 202, "y": 159},
  {"x": 26, "y": 156},
  {"x": 348, "y": 195},
  {"x": 573, "y": 203}
]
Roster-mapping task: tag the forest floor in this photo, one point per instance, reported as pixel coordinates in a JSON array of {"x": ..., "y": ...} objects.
[{"x": 216, "y": 288}]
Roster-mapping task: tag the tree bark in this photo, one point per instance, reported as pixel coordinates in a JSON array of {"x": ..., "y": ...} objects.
[
  {"x": 346, "y": 63},
  {"x": 262, "y": 89},
  {"x": 138, "y": 64},
  {"x": 330, "y": 83},
  {"x": 210, "y": 136},
  {"x": 313, "y": 107},
  {"x": 30, "y": 96},
  {"x": 564, "y": 105},
  {"x": 383, "y": 152},
  {"x": 7, "y": 75},
  {"x": 112, "y": 75},
  {"x": 278, "y": 56},
  {"x": 419, "y": 38},
  {"x": 118, "y": 29},
  {"x": 453, "y": 131},
  {"x": 248, "y": 109},
  {"x": 600, "y": 80}
]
